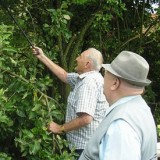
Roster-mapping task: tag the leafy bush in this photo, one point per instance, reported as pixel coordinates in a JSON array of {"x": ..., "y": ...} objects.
[{"x": 25, "y": 108}]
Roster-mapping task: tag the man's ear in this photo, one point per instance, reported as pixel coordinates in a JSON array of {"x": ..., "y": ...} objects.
[
  {"x": 115, "y": 84},
  {"x": 88, "y": 64}
]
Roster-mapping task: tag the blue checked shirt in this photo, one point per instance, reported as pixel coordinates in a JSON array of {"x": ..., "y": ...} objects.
[{"x": 86, "y": 96}]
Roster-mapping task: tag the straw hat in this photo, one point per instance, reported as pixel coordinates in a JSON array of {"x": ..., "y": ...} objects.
[{"x": 130, "y": 67}]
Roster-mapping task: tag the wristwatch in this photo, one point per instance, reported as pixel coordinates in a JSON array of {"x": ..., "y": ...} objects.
[{"x": 62, "y": 129}]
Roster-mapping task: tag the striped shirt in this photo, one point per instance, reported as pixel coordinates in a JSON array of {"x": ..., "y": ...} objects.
[{"x": 86, "y": 96}]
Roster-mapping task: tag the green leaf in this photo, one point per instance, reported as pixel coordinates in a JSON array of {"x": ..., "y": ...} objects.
[
  {"x": 9, "y": 49},
  {"x": 21, "y": 113},
  {"x": 37, "y": 107},
  {"x": 35, "y": 147},
  {"x": 32, "y": 115}
]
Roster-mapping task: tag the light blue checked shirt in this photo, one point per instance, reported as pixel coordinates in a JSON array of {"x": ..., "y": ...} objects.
[{"x": 86, "y": 96}]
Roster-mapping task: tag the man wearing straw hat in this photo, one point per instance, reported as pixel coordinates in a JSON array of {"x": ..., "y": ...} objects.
[{"x": 128, "y": 130}]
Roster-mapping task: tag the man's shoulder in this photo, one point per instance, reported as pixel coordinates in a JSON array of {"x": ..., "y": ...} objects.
[{"x": 94, "y": 75}]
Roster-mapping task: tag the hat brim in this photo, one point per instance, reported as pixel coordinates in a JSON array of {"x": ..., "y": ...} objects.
[{"x": 135, "y": 82}]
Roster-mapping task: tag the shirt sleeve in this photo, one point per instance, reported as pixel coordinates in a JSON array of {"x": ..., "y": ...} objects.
[
  {"x": 72, "y": 79},
  {"x": 120, "y": 142}
]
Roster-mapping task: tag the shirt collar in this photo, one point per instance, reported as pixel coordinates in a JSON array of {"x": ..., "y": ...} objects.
[
  {"x": 120, "y": 101},
  {"x": 83, "y": 75}
]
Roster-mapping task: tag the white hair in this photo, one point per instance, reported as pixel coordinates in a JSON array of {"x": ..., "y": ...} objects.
[{"x": 96, "y": 57}]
